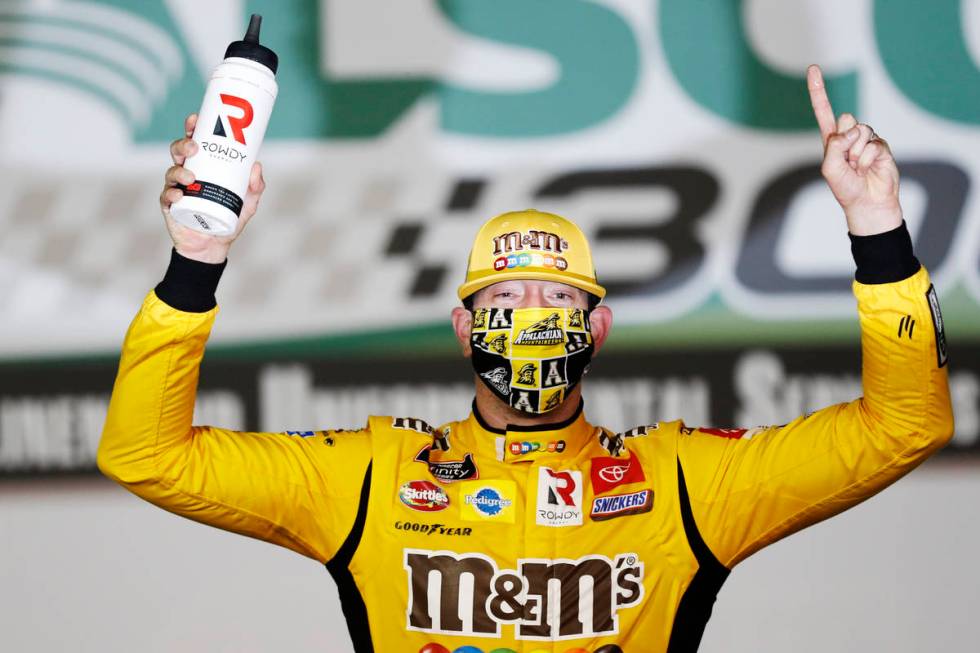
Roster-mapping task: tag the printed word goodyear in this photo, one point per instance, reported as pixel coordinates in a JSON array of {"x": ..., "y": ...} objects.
[{"x": 433, "y": 529}]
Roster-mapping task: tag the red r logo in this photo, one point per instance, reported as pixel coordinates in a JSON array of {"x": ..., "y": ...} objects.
[
  {"x": 238, "y": 124},
  {"x": 564, "y": 486}
]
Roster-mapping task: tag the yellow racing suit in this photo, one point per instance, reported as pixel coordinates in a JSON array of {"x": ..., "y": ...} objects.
[{"x": 560, "y": 538}]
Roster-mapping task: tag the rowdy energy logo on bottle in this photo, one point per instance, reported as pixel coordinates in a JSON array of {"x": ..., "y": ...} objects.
[{"x": 236, "y": 124}]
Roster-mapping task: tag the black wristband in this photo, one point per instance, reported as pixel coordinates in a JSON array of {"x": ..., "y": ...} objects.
[
  {"x": 189, "y": 285},
  {"x": 884, "y": 257}
]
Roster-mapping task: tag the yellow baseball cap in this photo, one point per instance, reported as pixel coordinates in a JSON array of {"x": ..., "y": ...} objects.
[{"x": 530, "y": 244}]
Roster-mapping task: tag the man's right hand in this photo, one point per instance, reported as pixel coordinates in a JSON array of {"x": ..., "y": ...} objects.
[{"x": 188, "y": 242}]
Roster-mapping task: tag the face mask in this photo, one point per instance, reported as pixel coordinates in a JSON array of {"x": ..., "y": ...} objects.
[{"x": 531, "y": 357}]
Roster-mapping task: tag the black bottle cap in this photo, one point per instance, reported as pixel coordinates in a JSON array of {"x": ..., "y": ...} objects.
[{"x": 250, "y": 48}]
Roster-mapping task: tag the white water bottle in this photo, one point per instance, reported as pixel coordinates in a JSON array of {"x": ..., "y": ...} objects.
[{"x": 230, "y": 127}]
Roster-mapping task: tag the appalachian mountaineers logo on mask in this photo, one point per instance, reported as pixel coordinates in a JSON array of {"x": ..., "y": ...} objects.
[
  {"x": 545, "y": 332},
  {"x": 531, "y": 357}
]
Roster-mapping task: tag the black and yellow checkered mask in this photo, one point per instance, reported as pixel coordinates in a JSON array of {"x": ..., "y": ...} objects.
[{"x": 531, "y": 357}]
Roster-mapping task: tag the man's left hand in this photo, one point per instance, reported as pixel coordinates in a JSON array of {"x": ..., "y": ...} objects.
[{"x": 857, "y": 164}]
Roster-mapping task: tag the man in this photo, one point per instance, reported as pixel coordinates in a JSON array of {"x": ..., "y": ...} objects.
[{"x": 524, "y": 527}]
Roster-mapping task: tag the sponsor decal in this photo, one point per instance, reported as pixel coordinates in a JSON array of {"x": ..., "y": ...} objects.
[
  {"x": 500, "y": 264},
  {"x": 301, "y": 434},
  {"x": 733, "y": 434},
  {"x": 608, "y": 473},
  {"x": 617, "y": 505},
  {"x": 424, "y": 496},
  {"x": 535, "y": 240},
  {"x": 544, "y": 332},
  {"x": 559, "y": 498},
  {"x": 937, "y": 325},
  {"x": 447, "y": 471},
  {"x": 488, "y": 501},
  {"x": 440, "y": 441},
  {"x": 433, "y": 529},
  {"x": 615, "y": 443},
  {"x": 524, "y": 448},
  {"x": 412, "y": 424},
  {"x": 539, "y": 598}
]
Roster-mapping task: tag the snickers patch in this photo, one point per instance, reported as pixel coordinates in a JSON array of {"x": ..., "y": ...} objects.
[{"x": 618, "y": 505}]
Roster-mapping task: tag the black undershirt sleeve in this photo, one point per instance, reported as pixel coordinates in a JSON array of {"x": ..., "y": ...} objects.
[
  {"x": 189, "y": 285},
  {"x": 884, "y": 258}
]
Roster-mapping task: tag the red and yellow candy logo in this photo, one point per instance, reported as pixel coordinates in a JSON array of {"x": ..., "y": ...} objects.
[{"x": 424, "y": 496}]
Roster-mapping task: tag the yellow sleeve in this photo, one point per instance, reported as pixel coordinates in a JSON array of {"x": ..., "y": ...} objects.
[
  {"x": 749, "y": 492},
  {"x": 299, "y": 492}
]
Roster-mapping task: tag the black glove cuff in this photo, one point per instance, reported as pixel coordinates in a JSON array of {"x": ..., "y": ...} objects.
[
  {"x": 884, "y": 258},
  {"x": 189, "y": 285}
]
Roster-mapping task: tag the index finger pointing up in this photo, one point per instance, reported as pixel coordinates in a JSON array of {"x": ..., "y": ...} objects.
[{"x": 820, "y": 102}]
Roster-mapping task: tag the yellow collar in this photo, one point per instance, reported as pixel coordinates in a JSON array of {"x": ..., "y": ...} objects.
[{"x": 517, "y": 444}]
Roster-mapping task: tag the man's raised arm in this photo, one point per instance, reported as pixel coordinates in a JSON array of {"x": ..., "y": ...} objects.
[
  {"x": 299, "y": 492},
  {"x": 753, "y": 487}
]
